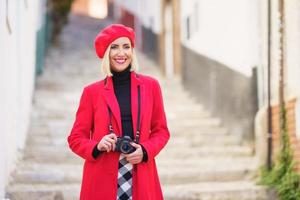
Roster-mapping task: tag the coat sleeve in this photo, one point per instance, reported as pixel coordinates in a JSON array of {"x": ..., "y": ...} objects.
[
  {"x": 159, "y": 135},
  {"x": 79, "y": 140}
]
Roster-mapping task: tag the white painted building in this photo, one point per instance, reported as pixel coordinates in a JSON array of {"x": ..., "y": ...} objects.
[
  {"x": 291, "y": 55},
  {"x": 147, "y": 12},
  {"x": 225, "y": 31},
  {"x": 220, "y": 50},
  {"x": 19, "y": 22},
  {"x": 292, "y": 49}
]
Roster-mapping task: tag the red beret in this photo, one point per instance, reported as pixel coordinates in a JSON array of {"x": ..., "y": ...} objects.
[{"x": 109, "y": 34}]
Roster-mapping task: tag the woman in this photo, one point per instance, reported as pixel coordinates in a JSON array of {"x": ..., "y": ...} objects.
[{"x": 120, "y": 125}]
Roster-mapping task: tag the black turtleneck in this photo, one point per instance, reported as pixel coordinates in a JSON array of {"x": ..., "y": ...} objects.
[
  {"x": 121, "y": 81},
  {"x": 122, "y": 89}
]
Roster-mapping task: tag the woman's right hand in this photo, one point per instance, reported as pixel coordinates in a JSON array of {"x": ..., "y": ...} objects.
[{"x": 107, "y": 143}]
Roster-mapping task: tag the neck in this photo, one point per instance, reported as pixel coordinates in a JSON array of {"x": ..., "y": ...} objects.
[
  {"x": 120, "y": 72},
  {"x": 122, "y": 76}
]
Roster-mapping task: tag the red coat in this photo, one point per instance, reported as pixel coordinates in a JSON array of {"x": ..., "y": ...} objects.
[{"x": 91, "y": 124}]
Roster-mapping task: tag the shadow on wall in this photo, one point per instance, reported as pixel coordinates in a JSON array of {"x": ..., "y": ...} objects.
[{"x": 226, "y": 93}]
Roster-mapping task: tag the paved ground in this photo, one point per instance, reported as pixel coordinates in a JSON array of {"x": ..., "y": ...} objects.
[{"x": 202, "y": 161}]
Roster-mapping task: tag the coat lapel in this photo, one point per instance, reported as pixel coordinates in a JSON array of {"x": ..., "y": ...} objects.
[{"x": 111, "y": 100}]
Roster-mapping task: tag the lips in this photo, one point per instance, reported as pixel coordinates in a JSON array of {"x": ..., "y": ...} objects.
[{"x": 120, "y": 60}]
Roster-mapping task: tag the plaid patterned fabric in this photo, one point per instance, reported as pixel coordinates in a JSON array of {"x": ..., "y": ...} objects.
[{"x": 124, "y": 179}]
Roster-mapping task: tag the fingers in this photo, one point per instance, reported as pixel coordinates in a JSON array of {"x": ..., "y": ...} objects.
[
  {"x": 107, "y": 139},
  {"x": 138, "y": 150},
  {"x": 135, "y": 160},
  {"x": 108, "y": 143},
  {"x": 105, "y": 146},
  {"x": 136, "y": 156},
  {"x": 112, "y": 136},
  {"x": 113, "y": 139},
  {"x": 132, "y": 159},
  {"x": 135, "y": 145}
]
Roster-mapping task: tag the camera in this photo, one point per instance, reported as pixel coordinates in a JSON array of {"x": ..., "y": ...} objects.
[{"x": 123, "y": 145}]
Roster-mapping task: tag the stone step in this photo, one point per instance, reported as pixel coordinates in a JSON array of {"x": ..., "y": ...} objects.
[
  {"x": 171, "y": 171},
  {"x": 62, "y": 153},
  {"x": 34, "y": 173},
  {"x": 56, "y": 108},
  {"x": 172, "y": 115},
  {"x": 175, "y": 99},
  {"x": 64, "y": 96},
  {"x": 193, "y": 125},
  {"x": 184, "y": 108},
  {"x": 48, "y": 129},
  {"x": 171, "y": 102},
  {"x": 43, "y": 115},
  {"x": 189, "y": 139},
  {"x": 207, "y": 162},
  {"x": 40, "y": 140},
  {"x": 201, "y": 136},
  {"x": 236, "y": 190},
  {"x": 207, "y": 131},
  {"x": 43, "y": 191},
  {"x": 192, "y": 122},
  {"x": 194, "y": 169},
  {"x": 50, "y": 154},
  {"x": 206, "y": 151},
  {"x": 203, "y": 140}
]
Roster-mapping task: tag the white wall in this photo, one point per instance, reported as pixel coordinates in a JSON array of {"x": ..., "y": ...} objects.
[
  {"x": 292, "y": 51},
  {"x": 226, "y": 31},
  {"x": 17, "y": 69},
  {"x": 148, "y": 12},
  {"x": 293, "y": 48},
  {"x": 293, "y": 56}
]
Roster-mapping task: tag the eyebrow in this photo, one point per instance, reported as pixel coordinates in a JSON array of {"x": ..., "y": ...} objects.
[{"x": 120, "y": 44}]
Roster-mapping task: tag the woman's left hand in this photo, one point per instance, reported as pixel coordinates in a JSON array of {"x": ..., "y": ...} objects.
[{"x": 136, "y": 156}]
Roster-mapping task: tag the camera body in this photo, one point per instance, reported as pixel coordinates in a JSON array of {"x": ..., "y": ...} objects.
[{"x": 123, "y": 145}]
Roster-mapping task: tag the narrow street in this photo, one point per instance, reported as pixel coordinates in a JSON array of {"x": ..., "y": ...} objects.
[{"x": 201, "y": 161}]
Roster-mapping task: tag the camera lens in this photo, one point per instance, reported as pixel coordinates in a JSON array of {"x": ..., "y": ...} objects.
[{"x": 125, "y": 147}]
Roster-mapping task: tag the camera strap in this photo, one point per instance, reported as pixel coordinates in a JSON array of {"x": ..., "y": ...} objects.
[{"x": 138, "y": 126}]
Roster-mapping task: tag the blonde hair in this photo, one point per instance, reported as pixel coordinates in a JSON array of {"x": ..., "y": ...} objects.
[{"x": 105, "y": 64}]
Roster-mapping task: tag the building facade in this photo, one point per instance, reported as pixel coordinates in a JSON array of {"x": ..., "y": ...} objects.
[
  {"x": 220, "y": 55},
  {"x": 291, "y": 60},
  {"x": 220, "y": 50},
  {"x": 212, "y": 46},
  {"x": 21, "y": 21}
]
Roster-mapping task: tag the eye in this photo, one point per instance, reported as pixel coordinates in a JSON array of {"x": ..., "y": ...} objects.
[
  {"x": 113, "y": 46},
  {"x": 127, "y": 46}
]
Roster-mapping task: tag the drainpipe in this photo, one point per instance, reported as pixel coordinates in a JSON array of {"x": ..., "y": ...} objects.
[{"x": 269, "y": 158}]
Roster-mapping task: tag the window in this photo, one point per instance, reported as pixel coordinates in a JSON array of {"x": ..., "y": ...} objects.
[{"x": 188, "y": 28}]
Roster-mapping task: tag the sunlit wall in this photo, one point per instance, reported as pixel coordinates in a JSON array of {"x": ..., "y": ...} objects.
[
  {"x": 92, "y": 8},
  {"x": 226, "y": 31},
  {"x": 17, "y": 57}
]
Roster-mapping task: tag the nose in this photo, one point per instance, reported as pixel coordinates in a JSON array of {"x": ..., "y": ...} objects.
[{"x": 121, "y": 51}]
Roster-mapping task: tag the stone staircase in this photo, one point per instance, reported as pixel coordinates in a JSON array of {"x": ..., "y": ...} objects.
[{"x": 201, "y": 161}]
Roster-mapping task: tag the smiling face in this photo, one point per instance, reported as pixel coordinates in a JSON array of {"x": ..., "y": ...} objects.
[{"x": 120, "y": 54}]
